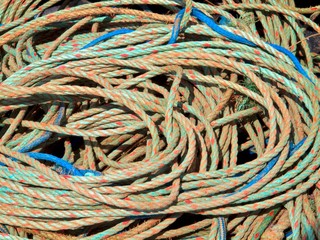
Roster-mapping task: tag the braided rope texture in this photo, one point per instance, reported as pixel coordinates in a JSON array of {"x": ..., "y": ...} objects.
[{"x": 159, "y": 119}]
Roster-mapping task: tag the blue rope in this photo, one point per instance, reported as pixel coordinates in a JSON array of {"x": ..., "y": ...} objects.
[
  {"x": 44, "y": 137},
  {"x": 291, "y": 148},
  {"x": 293, "y": 59},
  {"x": 41, "y": 139},
  {"x": 107, "y": 36},
  {"x": 67, "y": 167},
  {"x": 263, "y": 172},
  {"x": 215, "y": 27},
  {"x": 257, "y": 178},
  {"x": 176, "y": 27},
  {"x": 50, "y": 158}
]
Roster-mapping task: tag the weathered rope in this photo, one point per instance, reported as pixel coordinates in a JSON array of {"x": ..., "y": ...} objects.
[{"x": 149, "y": 120}]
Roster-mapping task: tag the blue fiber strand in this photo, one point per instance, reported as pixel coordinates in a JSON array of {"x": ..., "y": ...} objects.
[
  {"x": 107, "y": 36},
  {"x": 176, "y": 27}
]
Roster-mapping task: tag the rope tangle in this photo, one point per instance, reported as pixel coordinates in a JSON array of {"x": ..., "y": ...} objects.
[{"x": 150, "y": 120}]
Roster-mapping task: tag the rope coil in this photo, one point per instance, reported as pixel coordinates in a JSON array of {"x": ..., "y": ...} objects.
[{"x": 148, "y": 120}]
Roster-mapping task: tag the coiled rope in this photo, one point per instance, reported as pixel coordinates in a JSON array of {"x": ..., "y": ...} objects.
[{"x": 150, "y": 120}]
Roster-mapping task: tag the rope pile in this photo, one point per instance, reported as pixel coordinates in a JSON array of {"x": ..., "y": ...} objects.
[{"x": 159, "y": 119}]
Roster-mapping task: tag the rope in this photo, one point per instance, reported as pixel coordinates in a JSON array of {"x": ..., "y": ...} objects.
[{"x": 149, "y": 120}]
